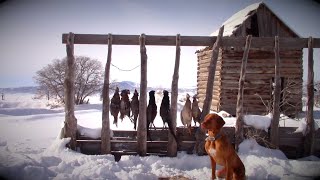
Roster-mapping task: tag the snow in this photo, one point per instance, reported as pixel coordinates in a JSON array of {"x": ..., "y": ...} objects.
[
  {"x": 258, "y": 122},
  {"x": 30, "y": 148}
]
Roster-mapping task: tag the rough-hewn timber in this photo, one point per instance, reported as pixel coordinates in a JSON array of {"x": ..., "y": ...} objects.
[
  {"x": 274, "y": 131},
  {"x": 70, "y": 122},
  {"x": 239, "y": 108},
  {"x": 105, "y": 130},
  {"x": 310, "y": 132},
  {"x": 172, "y": 144},
  {"x": 267, "y": 42},
  {"x": 142, "y": 124}
]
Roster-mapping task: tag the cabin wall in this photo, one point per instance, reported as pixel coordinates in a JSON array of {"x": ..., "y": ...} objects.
[
  {"x": 204, "y": 59},
  {"x": 258, "y": 80}
]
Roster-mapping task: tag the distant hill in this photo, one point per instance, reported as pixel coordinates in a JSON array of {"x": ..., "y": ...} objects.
[
  {"x": 132, "y": 86},
  {"x": 127, "y": 85},
  {"x": 27, "y": 89},
  {"x": 122, "y": 85}
]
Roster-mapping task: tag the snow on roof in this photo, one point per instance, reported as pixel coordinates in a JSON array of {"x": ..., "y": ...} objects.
[{"x": 234, "y": 21}]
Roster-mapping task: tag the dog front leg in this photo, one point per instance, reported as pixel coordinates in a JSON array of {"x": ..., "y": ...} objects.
[
  {"x": 213, "y": 168},
  {"x": 229, "y": 171}
]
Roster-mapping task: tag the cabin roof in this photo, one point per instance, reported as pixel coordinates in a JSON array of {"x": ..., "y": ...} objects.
[{"x": 234, "y": 22}]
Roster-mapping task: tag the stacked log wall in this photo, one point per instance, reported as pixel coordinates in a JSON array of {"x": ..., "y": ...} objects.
[
  {"x": 204, "y": 58},
  {"x": 258, "y": 83}
]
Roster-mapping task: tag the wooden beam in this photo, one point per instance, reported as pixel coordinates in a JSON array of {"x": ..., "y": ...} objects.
[
  {"x": 274, "y": 132},
  {"x": 172, "y": 144},
  {"x": 70, "y": 123},
  {"x": 200, "y": 134},
  {"x": 310, "y": 131},
  {"x": 239, "y": 110},
  {"x": 142, "y": 125},
  {"x": 256, "y": 42},
  {"x": 105, "y": 131},
  {"x": 211, "y": 75}
]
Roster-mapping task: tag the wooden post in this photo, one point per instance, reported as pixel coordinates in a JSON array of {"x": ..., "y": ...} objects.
[
  {"x": 310, "y": 132},
  {"x": 172, "y": 144},
  {"x": 239, "y": 122},
  {"x": 212, "y": 70},
  {"x": 105, "y": 131},
  {"x": 200, "y": 134},
  {"x": 274, "y": 132},
  {"x": 70, "y": 123},
  {"x": 142, "y": 125}
]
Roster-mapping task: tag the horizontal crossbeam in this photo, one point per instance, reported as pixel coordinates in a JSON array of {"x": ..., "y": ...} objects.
[{"x": 155, "y": 40}]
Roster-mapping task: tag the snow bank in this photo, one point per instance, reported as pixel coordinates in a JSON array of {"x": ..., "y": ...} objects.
[
  {"x": 258, "y": 121},
  {"x": 30, "y": 149}
]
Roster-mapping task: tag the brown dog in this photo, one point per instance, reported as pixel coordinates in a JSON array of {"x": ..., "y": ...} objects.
[{"x": 220, "y": 150}]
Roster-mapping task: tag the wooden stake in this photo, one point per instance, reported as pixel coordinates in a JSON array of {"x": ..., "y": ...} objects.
[
  {"x": 200, "y": 134},
  {"x": 211, "y": 75},
  {"x": 274, "y": 132},
  {"x": 239, "y": 122},
  {"x": 70, "y": 123},
  {"x": 142, "y": 125},
  {"x": 172, "y": 144},
  {"x": 105, "y": 131},
  {"x": 310, "y": 132}
]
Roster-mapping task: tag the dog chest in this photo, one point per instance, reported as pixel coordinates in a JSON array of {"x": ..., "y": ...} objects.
[{"x": 212, "y": 152}]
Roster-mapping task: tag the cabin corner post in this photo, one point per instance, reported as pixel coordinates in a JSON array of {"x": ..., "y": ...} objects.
[
  {"x": 142, "y": 122},
  {"x": 239, "y": 110},
  {"x": 274, "y": 130},
  {"x": 70, "y": 123},
  {"x": 172, "y": 144},
  {"x": 105, "y": 130},
  {"x": 200, "y": 134},
  {"x": 310, "y": 131}
]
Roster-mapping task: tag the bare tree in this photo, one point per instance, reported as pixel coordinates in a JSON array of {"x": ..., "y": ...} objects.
[
  {"x": 88, "y": 79},
  {"x": 290, "y": 88}
]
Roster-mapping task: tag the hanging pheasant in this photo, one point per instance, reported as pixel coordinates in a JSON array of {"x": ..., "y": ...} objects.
[
  {"x": 115, "y": 106},
  {"x": 125, "y": 104},
  {"x": 135, "y": 108}
]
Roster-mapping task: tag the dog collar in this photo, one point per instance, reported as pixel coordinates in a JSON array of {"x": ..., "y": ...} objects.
[{"x": 210, "y": 138}]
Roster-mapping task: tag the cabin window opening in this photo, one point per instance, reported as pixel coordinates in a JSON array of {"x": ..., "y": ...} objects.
[{"x": 254, "y": 28}]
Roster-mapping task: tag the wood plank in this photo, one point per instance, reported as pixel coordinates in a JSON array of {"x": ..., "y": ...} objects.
[
  {"x": 208, "y": 98},
  {"x": 310, "y": 132},
  {"x": 274, "y": 127},
  {"x": 172, "y": 147},
  {"x": 142, "y": 121},
  {"x": 239, "y": 105},
  {"x": 257, "y": 42},
  {"x": 105, "y": 130},
  {"x": 70, "y": 122}
]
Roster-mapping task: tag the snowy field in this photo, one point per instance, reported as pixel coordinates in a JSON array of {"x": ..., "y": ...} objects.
[{"x": 30, "y": 149}]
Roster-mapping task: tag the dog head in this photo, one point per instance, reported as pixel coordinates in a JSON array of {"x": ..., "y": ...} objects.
[{"x": 212, "y": 122}]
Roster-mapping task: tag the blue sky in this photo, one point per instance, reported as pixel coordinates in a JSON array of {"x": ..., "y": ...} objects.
[{"x": 30, "y": 33}]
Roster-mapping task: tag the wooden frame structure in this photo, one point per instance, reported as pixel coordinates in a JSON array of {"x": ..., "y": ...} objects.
[{"x": 144, "y": 40}]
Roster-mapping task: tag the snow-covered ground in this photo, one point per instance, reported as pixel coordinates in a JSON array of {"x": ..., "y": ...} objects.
[{"x": 30, "y": 149}]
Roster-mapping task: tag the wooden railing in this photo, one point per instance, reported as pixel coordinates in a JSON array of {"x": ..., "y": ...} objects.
[{"x": 156, "y": 40}]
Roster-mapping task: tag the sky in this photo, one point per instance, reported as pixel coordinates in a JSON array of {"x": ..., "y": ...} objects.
[{"x": 31, "y": 31}]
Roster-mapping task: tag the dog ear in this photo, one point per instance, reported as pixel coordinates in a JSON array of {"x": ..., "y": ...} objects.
[{"x": 220, "y": 121}]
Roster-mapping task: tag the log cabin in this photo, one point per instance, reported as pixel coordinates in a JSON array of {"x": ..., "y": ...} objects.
[{"x": 257, "y": 20}]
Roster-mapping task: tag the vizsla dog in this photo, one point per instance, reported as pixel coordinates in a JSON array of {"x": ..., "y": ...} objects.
[{"x": 220, "y": 150}]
